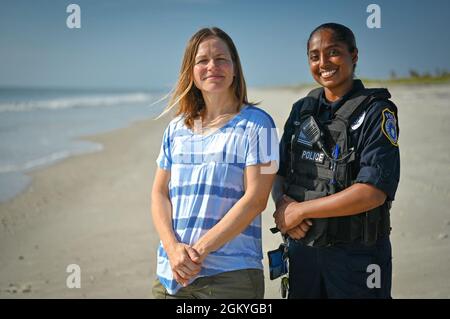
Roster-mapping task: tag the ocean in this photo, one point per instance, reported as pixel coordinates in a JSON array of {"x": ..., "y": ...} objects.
[{"x": 39, "y": 127}]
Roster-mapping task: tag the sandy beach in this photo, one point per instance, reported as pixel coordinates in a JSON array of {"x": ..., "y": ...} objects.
[{"x": 93, "y": 210}]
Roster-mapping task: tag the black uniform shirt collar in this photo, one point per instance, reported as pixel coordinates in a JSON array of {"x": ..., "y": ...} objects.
[{"x": 332, "y": 107}]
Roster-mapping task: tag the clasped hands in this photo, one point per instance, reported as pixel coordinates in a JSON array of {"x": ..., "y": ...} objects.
[
  {"x": 289, "y": 219},
  {"x": 185, "y": 261}
]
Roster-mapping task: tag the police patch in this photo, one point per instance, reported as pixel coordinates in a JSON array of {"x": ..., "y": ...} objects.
[
  {"x": 313, "y": 156},
  {"x": 389, "y": 126}
]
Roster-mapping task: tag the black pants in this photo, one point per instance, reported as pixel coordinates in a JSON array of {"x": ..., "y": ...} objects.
[{"x": 340, "y": 271}]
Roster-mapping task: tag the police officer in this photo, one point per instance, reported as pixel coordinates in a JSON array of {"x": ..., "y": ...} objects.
[{"x": 339, "y": 171}]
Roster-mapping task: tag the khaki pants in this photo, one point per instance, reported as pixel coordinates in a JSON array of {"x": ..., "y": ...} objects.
[{"x": 238, "y": 284}]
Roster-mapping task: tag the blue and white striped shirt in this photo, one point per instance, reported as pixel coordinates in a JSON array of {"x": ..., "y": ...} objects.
[{"x": 207, "y": 179}]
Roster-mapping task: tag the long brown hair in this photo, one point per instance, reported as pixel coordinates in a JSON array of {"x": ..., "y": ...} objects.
[{"x": 188, "y": 97}]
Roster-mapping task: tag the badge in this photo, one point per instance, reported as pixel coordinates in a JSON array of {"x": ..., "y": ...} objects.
[
  {"x": 389, "y": 126},
  {"x": 358, "y": 121}
]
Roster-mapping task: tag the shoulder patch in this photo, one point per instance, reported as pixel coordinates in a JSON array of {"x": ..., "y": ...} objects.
[{"x": 389, "y": 126}]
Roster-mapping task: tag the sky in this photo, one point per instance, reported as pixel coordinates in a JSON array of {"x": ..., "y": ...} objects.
[{"x": 140, "y": 44}]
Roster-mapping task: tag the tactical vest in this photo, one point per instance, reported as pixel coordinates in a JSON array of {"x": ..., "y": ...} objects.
[{"x": 316, "y": 173}]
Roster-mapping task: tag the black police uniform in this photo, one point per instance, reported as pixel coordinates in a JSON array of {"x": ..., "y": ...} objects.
[{"x": 342, "y": 257}]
